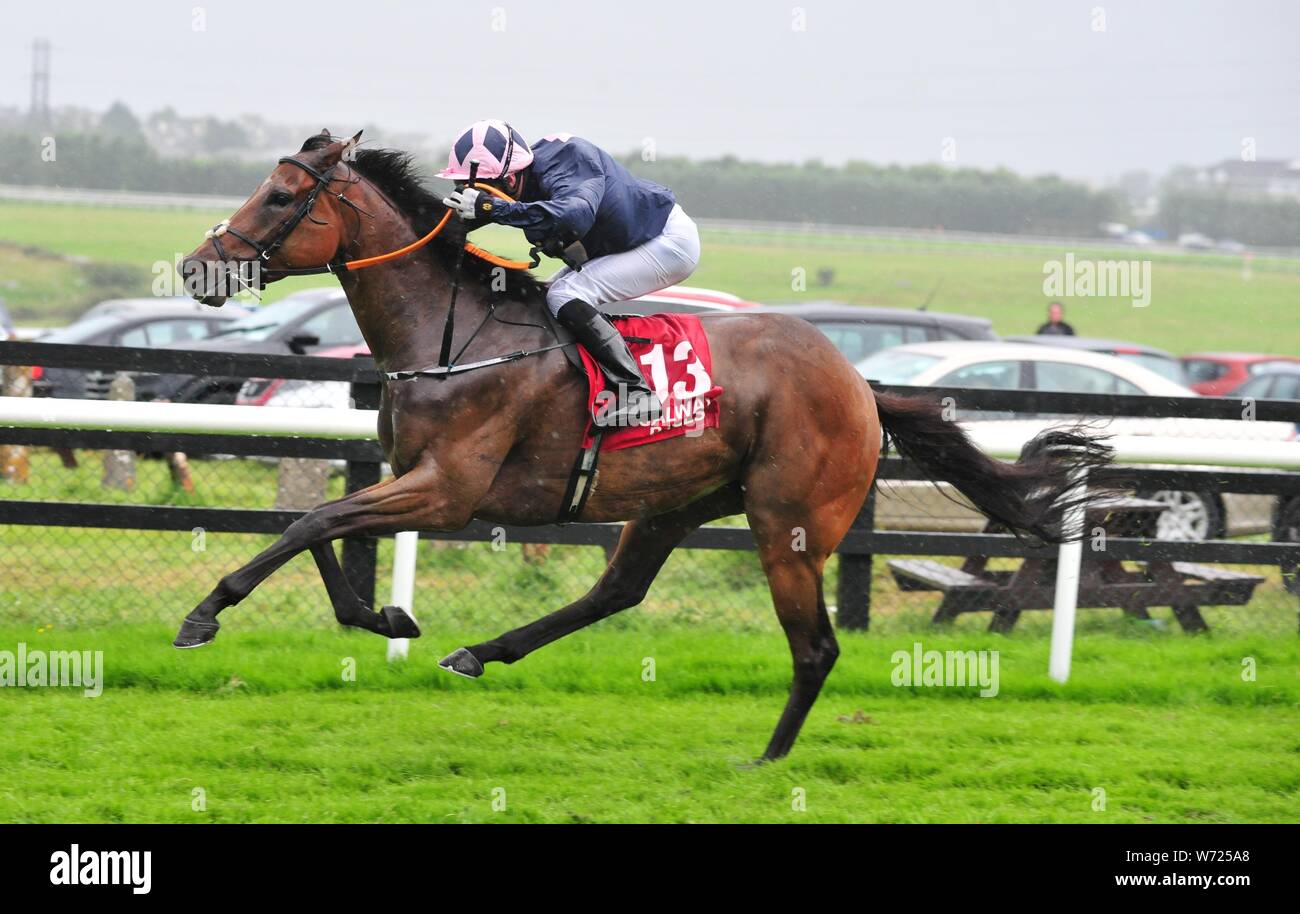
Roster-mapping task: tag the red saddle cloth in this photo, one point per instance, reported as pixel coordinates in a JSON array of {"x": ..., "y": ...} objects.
[{"x": 673, "y": 352}]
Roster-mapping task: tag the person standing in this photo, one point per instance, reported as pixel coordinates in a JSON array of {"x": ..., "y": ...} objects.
[{"x": 1056, "y": 325}]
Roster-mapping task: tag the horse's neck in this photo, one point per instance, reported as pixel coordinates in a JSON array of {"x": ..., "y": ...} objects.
[{"x": 401, "y": 306}]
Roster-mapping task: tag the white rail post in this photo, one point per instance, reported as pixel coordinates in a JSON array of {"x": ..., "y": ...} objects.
[
  {"x": 1068, "y": 562},
  {"x": 403, "y": 593}
]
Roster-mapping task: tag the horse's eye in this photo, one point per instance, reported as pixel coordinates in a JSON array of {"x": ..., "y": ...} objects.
[{"x": 278, "y": 198}]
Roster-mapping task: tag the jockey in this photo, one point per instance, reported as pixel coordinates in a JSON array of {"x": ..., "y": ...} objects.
[{"x": 620, "y": 237}]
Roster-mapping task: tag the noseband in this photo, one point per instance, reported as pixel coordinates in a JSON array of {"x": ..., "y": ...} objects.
[{"x": 266, "y": 249}]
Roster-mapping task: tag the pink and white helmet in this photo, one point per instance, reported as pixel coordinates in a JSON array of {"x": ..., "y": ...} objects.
[{"x": 495, "y": 145}]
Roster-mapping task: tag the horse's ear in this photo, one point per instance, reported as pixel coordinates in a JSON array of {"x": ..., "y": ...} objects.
[
  {"x": 356, "y": 137},
  {"x": 325, "y": 131},
  {"x": 339, "y": 149},
  {"x": 350, "y": 146}
]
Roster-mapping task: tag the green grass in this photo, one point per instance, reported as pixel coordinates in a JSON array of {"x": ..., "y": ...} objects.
[
  {"x": 110, "y": 234},
  {"x": 1189, "y": 305},
  {"x": 1197, "y": 302},
  {"x": 246, "y": 483},
  {"x": 265, "y": 725}
]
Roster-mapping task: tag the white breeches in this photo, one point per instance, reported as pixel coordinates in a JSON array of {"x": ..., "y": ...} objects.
[{"x": 662, "y": 261}]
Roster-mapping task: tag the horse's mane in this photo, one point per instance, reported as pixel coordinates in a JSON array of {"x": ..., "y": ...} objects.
[{"x": 396, "y": 174}]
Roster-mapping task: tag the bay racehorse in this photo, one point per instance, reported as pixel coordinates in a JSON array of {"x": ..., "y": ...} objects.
[{"x": 795, "y": 451}]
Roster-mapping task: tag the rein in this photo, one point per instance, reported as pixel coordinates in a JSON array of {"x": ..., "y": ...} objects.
[{"x": 434, "y": 232}]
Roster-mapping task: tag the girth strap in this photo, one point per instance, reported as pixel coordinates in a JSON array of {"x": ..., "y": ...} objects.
[{"x": 582, "y": 481}]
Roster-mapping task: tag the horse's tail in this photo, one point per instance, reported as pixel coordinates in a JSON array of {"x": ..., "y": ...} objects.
[{"x": 1030, "y": 496}]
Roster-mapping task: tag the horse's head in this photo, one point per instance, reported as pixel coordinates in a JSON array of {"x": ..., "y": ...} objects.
[{"x": 297, "y": 219}]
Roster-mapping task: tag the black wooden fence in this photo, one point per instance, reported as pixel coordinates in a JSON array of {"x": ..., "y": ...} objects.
[{"x": 364, "y": 460}]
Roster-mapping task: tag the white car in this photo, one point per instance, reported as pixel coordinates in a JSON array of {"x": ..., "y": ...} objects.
[
  {"x": 1026, "y": 366},
  {"x": 1010, "y": 366}
]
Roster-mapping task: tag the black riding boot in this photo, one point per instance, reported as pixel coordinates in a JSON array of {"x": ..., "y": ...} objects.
[{"x": 637, "y": 403}]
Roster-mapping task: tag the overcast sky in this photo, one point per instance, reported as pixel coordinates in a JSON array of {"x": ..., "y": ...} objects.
[{"x": 1035, "y": 86}]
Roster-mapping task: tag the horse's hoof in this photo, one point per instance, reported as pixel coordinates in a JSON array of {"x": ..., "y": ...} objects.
[
  {"x": 399, "y": 623},
  {"x": 462, "y": 663},
  {"x": 195, "y": 634}
]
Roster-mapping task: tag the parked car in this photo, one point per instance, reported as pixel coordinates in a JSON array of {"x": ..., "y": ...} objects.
[
  {"x": 299, "y": 391},
  {"x": 150, "y": 322},
  {"x": 145, "y": 306},
  {"x": 1195, "y": 241},
  {"x": 1271, "y": 381},
  {"x": 1159, "y": 361},
  {"x": 1009, "y": 366},
  {"x": 303, "y": 323},
  {"x": 1214, "y": 374},
  {"x": 860, "y": 331}
]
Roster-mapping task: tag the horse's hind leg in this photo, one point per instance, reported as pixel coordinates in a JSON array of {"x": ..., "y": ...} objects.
[
  {"x": 794, "y": 541},
  {"x": 796, "y": 586},
  {"x": 642, "y": 550}
]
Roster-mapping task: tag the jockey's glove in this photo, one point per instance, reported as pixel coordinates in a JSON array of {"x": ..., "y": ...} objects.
[{"x": 470, "y": 204}]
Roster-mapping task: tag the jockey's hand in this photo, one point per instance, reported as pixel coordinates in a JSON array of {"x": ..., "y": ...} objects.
[
  {"x": 470, "y": 204},
  {"x": 553, "y": 247}
]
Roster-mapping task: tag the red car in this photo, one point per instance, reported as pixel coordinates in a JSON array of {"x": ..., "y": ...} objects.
[{"x": 1215, "y": 374}]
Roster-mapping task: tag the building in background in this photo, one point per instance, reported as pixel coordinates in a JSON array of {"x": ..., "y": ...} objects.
[{"x": 1275, "y": 178}]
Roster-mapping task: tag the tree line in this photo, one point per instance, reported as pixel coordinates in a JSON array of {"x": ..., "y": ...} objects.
[
  {"x": 922, "y": 196},
  {"x": 102, "y": 162}
]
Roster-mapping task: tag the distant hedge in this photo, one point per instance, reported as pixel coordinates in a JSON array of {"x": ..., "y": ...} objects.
[
  {"x": 110, "y": 163},
  {"x": 924, "y": 196},
  {"x": 1273, "y": 223}
]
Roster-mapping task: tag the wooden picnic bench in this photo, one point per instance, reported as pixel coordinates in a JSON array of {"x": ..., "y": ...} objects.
[{"x": 1182, "y": 586}]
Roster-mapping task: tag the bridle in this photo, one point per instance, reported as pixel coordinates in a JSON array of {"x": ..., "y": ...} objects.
[{"x": 266, "y": 249}]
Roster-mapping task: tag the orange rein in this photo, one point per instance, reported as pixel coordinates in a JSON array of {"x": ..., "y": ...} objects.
[{"x": 471, "y": 248}]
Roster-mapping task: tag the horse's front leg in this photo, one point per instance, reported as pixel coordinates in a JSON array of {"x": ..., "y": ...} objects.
[
  {"x": 350, "y": 609},
  {"x": 423, "y": 499}
]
